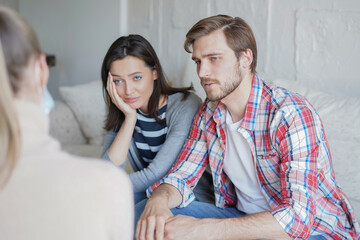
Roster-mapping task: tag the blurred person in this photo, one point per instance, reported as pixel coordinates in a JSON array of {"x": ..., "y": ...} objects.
[{"x": 47, "y": 193}]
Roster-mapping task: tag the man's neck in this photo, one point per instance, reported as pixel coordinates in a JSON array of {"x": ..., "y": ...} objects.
[{"x": 236, "y": 102}]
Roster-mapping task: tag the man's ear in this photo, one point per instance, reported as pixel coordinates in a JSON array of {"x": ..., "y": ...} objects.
[
  {"x": 246, "y": 59},
  {"x": 44, "y": 70},
  {"x": 155, "y": 72}
]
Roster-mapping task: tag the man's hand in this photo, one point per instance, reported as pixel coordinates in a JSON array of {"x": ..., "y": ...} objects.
[
  {"x": 156, "y": 212},
  {"x": 152, "y": 220},
  {"x": 185, "y": 227}
]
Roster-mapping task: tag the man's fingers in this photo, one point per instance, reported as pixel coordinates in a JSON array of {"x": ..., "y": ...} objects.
[
  {"x": 143, "y": 227},
  {"x": 138, "y": 229},
  {"x": 150, "y": 228},
  {"x": 160, "y": 226}
]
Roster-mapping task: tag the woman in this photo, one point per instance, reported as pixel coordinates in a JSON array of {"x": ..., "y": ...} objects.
[
  {"x": 148, "y": 120},
  {"x": 46, "y": 193}
]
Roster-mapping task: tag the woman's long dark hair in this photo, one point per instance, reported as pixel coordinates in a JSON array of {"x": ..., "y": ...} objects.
[{"x": 136, "y": 46}]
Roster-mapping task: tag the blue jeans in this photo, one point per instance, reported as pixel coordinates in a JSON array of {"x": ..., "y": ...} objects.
[
  {"x": 139, "y": 196},
  {"x": 202, "y": 210}
]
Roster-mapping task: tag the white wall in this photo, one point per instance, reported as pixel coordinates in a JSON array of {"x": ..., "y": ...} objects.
[
  {"x": 14, "y": 4},
  {"x": 316, "y": 43},
  {"x": 77, "y": 32},
  {"x": 313, "y": 42}
]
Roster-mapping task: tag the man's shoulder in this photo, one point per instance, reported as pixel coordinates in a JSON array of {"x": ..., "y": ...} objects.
[{"x": 282, "y": 98}]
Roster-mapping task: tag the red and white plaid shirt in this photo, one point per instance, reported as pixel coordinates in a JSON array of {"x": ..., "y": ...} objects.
[{"x": 292, "y": 159}]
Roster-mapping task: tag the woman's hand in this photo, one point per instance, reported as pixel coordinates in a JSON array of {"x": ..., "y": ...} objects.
[{"x": 117, "y": 100}]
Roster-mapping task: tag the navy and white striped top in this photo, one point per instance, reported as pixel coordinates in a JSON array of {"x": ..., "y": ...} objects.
[{"x": 149, "y": 135}]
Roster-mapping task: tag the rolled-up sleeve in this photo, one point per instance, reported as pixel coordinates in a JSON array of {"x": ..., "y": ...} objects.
[{"x": 300, "y": 142}]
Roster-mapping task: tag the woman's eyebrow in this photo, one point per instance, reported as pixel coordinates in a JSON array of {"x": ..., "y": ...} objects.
[
  {"x": 134, "y": 73},
  {"x": 131, "y": 74},
  {"x": 115, "y": 75}
]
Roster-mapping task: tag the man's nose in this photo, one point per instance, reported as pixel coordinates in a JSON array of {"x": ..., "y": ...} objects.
[{"x": 203, "y": 70}]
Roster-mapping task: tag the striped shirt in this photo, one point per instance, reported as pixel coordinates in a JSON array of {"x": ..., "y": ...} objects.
[
  {"x": 149, "y": 135},
  {"x": 292, "y": 161}
]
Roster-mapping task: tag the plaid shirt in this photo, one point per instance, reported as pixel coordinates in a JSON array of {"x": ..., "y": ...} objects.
[{"x": 292, "y": 158}]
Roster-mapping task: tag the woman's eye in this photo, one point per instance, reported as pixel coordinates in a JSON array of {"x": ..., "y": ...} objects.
[
  {"x": 137, "y": 78},
  {"x": 197, "y": 62},
  {"x": 118, "y": 81}
]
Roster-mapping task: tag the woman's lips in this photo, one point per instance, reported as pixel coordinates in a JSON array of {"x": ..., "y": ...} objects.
[{"x": 131, "y": 99}]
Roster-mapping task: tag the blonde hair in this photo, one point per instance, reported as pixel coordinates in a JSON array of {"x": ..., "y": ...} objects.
[
  {"x": 9, "y": 126},
  {"x": 18, "y": 45}
]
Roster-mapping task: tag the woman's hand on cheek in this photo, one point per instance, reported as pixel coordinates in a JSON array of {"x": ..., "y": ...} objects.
[{"x": 117, "y": 100}]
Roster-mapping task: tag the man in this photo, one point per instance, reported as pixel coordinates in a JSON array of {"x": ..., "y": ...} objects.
[{"x": 270, "y": 161}]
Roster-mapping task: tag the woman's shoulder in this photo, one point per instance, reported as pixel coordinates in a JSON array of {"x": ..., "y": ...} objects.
[
  {"x": 187, "y": 107},
  {"x": 178, "y": 99}
]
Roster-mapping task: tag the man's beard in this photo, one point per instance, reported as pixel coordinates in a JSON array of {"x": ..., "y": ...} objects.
[{"x": 228, "y": 87}]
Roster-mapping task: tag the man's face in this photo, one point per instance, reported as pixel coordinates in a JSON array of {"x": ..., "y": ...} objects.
[{"x": 217, "y": 66}]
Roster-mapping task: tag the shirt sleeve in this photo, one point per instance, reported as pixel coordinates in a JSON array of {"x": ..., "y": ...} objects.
[
  {"x": 301, "y": 145},
  {"x": 109, "y": 139},
  {"x": 190, "y": 164}
]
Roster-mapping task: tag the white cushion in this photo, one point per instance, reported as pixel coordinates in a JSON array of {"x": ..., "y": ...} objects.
[
  {"x": 64, "y": 126},
  {"x": 87, "y": 103}
]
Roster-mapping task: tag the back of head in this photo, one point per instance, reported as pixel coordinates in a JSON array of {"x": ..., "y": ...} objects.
[
  {"x": 238, "y": 33},
  {"x": 18, "y": 45}
]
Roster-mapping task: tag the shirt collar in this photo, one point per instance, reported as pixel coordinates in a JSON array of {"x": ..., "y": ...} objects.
[
  {"x": 218, "y": 109},
  {"x": 253, "y": 104}
]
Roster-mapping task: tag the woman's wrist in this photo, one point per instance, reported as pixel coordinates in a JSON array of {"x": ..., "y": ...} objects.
[{"x": 130, "y": 118}]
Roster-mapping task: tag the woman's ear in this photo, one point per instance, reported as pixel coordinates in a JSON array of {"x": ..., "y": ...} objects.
[
  {"x": 44, "y": 70},
  {"x": 155, "y": 73}
]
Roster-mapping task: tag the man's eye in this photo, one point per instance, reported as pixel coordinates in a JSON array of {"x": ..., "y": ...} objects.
[
  {"x": 137, "y": 78},
  {"x": 214, "y": 58},
  {"x": 118, "y": 81}
]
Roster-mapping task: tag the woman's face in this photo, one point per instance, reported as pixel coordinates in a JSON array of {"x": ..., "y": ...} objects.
[{"x": 134, "y": 81}]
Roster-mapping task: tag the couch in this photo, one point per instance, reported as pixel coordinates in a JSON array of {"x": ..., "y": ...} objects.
[{"x": 77, "y": 121}]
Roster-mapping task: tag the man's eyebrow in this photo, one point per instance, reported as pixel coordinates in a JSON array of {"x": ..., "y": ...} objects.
[{"x": 208, "y": 55}]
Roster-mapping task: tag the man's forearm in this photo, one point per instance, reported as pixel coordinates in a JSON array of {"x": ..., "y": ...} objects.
[
  {"x": 256, "y": 226},
  {"x": 167, "y": 193}
]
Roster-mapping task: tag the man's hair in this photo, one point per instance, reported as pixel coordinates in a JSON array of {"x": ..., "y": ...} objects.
[{"x": 238, "y": 34}]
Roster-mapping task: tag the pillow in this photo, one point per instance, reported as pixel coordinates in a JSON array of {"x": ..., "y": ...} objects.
[
  {"x": 340, "y": 115},
  {"x": 64, "y": 126},
  {"x": 87, "y": 103}
]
